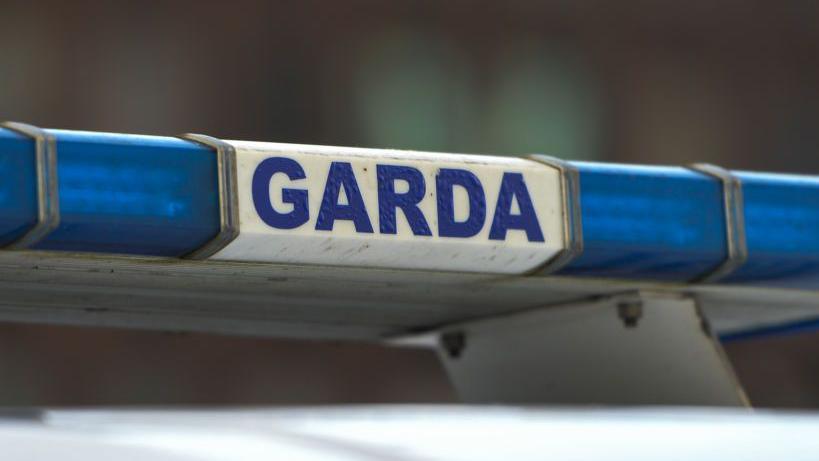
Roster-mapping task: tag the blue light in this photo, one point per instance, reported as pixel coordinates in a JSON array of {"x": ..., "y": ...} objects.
[
  {"x": 18, "y": 186},
  {"x": 660, "y": 223},
  {"x": 131, "y": 194},
  {"x": 782, "y": 228}
]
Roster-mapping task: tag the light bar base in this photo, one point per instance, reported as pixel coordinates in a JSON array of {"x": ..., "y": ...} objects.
[{"x": 641, "y": 349}]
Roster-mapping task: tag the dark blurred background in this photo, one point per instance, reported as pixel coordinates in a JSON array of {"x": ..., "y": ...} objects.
[{"x": 734, "y": 83}]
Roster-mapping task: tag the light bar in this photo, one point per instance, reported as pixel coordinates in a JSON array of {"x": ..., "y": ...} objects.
[{"x": 295, "y": 204}]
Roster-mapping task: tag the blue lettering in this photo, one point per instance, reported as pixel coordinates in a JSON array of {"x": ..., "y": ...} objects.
[
  {"x": 513, "y": 187},
  {"x": 341, "y": 175},
  {"x": 389, "y": 200},
  {"x": 297, "y": 197},
  {"x": 444, "y": 183}
]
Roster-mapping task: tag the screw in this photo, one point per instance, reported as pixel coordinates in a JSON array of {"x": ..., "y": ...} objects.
[
  {"x": 630, "y": 312},
  {"x": 453, "y": 343}
]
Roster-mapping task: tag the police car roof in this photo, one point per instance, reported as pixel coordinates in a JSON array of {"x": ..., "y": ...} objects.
[{"x": 409, "y": 433}]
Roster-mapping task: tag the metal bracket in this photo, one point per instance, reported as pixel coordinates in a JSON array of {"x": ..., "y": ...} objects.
[
  {"x": 48, "y": 204},
  {"x": 228, "y": 195},
  {"x": 734, "y": 221},
  {"x": 572, "y": 218},
  {"x": 644, "y": 348}
]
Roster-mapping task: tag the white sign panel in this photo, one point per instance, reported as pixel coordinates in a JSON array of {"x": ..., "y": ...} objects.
[{"x": 394, "y": 209}]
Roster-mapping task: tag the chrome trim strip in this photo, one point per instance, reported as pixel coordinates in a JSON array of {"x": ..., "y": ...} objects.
[
  {"x": 572, "y": 218},
  {"x": 228, "y": 195},
  {"x": 48, "y": 203},
  {"x": 734, "y": 221}
]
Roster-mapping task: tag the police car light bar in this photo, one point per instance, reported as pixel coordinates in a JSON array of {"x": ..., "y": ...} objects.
[
  {"x": 295, "y": 204},
  {"x": 525, "y": 274}
]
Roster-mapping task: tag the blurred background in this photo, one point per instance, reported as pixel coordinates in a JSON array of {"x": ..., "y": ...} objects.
[{"x": 734, "y": 83}]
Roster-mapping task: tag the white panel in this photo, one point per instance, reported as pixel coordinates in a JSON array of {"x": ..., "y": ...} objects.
[{"x": 518, "y": 252}]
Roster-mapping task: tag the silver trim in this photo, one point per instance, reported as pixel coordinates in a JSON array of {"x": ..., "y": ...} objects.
[
  {"x": 572, "y": 220},
  {"x": 48, "y": 203},
  {"x": 228, "y": 195},
  {"x": 734, "y": 221}
]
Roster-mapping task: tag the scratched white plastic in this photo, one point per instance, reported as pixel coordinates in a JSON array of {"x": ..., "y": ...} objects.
[{"x": 343, "y": 246}]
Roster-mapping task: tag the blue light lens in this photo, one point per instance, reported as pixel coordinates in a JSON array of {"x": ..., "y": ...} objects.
[
  {"x": 130, "y": 194},
  {"x": 782, "y": 229},
  {"x": 660, "y": 223},
  {"x": 18, "y": 186}
]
